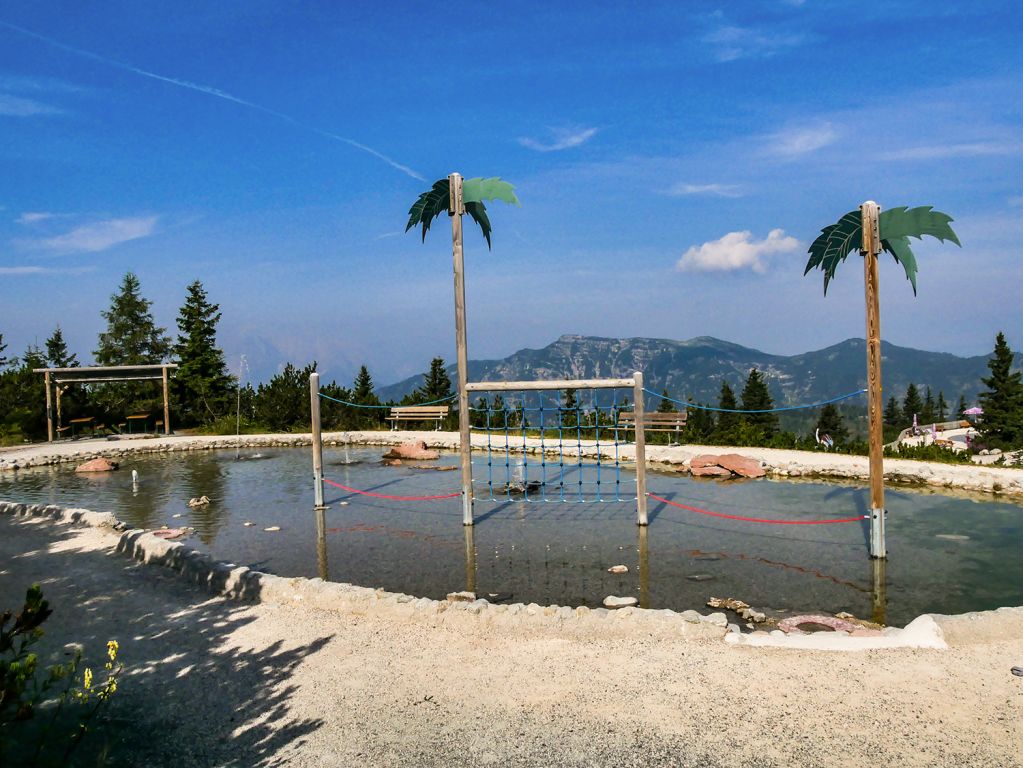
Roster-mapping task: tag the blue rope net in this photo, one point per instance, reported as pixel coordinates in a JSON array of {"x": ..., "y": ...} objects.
[{"x": 560, "y": 430}]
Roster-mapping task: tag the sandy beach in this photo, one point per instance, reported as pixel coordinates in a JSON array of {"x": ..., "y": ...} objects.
[{"x": 295, "y": 680}]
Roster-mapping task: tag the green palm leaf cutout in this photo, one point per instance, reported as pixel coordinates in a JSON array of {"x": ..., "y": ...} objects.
[
  {"x": 899, "y": 248},
  {"x": 916, "y": 222},
  {"x": 428, "y": 206},
  {"x": 479, "y": 214},
  {"x": 478, "y": 189},
  {"x": 833, "y": 244}
]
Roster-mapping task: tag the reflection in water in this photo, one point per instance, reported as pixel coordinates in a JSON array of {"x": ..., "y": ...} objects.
[
  {"x": 205, "y": 478},
  {"x": 321, "y": 543},
  {"x": 470, "y": 557},
  {"x": 644, "y": 566},
  {"x": 879, "y": 598}
]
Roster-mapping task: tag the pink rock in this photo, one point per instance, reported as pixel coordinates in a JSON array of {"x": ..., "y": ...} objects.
[
  {"x": 97, "y": 465},
  {"x": 839, "y": 625},
  {"x": 704, "y": 460},
  {"x": 171, "y": 533},
  {"x": 864, "y": 632},
  {"x": 415, "y": 450},
  {"x": 711, "y": 470},
  {"x": 741, "y": 465}
]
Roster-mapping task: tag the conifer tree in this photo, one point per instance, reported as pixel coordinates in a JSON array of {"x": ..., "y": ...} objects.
[
  {"x": 756, "y": 397},
  {"x": 570, "y": 409},
  {"x": 202, "y": 385},
  {"x": 830, "y": 422},
  {"x": 363, "y": 394},
  {"x": 727, "y": 428},
  {"x": 666, "y": 405},
  {"x": 699, "y": 422},
  {"x": 892, "y": 412},
  {"x": 1002, "y": 424},
  {"x": 131, "y": 338},
  {"x": 961, "y": 408},
  {"x": 941, "y": 410},
  {"x": 57, "y": 352},
  {"x": 3, "y": 360},
  {"x": 927, "y": 413},
  {"x": 436, "y": 382},
  {"x": 912, "y": 405}
]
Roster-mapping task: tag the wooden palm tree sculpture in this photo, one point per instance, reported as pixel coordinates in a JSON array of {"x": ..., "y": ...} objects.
[
  {"x": 456, "y": 197},
  {"x": 873, "y": 231}
]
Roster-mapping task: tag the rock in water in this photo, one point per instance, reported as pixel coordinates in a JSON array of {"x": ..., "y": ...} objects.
[
  {"x": 952, "y": 537},
  {"x": 97, "y": 465},
  {"x": 618, "y": 569},
  {"x": 415, "y": 450},
  {"x": 611, "y": 601},
  {"x": 740, "y": 465}
]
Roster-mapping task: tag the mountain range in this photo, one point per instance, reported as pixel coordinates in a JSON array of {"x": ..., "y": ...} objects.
[{"x": 694, "y": 369}]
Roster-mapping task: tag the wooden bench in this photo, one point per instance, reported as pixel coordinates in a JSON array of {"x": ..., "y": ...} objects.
[
  {"x": 135, "y": 418},
  {"x": 435, "y": 413},
  {"x": 83, "y": 422},
  {"x": 653, "y": 421}
]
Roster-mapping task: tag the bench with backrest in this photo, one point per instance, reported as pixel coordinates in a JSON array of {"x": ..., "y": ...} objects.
[
  {"x": 435, "y": 413},
  {"x": 653, "y": 421},
  {"x": 85, "y": 422}
]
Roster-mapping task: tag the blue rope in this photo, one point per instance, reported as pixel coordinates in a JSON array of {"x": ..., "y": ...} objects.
[
  {"x": 360, "y": 405},
  {"x": 764, "y": 410}
]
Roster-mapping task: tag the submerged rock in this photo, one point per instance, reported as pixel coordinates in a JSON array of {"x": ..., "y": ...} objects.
[
  {"x": 612, "y": 601},
  {"x": 97, "y": 465},
  {"x": 415, "y": 450},
  {"x": 618, "y": 569}
]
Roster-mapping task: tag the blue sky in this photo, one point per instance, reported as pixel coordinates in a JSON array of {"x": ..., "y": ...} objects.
[{"x": 674, "y": 161}]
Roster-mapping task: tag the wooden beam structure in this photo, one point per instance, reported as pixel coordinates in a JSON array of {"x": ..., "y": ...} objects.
[{"x": 870, "y": 249}]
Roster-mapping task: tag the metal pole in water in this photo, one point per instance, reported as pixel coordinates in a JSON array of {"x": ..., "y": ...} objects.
[
  {"x": 456, "y": 207},
  {"x": 637, "y": 389},
  {"x": 871, "y": 247},
  {"x": 470, "y": 558},
  {"x": 644, "y": 567},
  {"x": 314, "y": 411}
]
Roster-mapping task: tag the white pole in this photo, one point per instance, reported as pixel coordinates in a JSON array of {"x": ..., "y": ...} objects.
[
  {"x": 456, "y": 207},
  {"x": 314, "y": 411},
  {"x": 641, "y": 518}
]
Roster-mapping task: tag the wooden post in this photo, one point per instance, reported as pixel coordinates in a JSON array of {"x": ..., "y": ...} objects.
[
  {"x": 49, "y": 408},
  {"x": 314, "y": 413},
  {"x": 644, "y": 567},
  {"x": 870, "y": 249},
  {"x": 321, "y": 544},
  {"x": 637, "y": 393},
  {"x": 456, "y": 207},
  {"x": 58, "y": 390},
  {"x": 166, "y": 403}
]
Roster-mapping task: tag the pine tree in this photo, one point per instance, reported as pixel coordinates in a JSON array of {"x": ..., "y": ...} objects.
[
  {"x": 892, "y": 414},
  {"x": 756, "y": 397},
  {"x": 570, "y": 409},
  {"x": 912, "y": 405},
  {"x": 830, "y": 422},
  {"x": 699, "y": 422},
  {"x": 3, "y": 360},
  {"x": 282, "y": 404},
  {"x": 961, "y": 408},
  {"x": 941, "y": 410},
  {"x": 363, "y": 395},
  {"x": 22, "y": 408},
  {"x": 202, "y": 385},
  {"x": 436, "y": 382},
  {"x": 1002, "y": 424},
  {"x": 727, "y": 428},
  {"x": 929, "y": 410},
  {"x": 666, "y": 405},
  {"x": 132, "y": 338}
]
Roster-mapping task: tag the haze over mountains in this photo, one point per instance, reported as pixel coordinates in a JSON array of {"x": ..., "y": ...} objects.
[{"x": 695, "y": 368}]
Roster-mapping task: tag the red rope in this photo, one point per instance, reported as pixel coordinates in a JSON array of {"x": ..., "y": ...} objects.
[
  {"x": 758, "y": 519},
  {"x": 385, "y": 496}
]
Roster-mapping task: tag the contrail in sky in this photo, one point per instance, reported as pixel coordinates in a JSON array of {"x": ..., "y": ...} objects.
[{"x": 210, "y": 91}]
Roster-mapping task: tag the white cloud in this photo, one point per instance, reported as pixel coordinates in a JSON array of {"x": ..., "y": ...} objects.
[
  {"x": 16, "y": 106},
  {"x": 721, "y": 190},
  {"x": 736, "y": 250},
  {"x": 793, "y": 142},
  {"x": 99, "y": 236},
  {"x": 33, "y": 217},
  {"x": 946, "y": 151},
  {"x": 734, "y": 43},
  {"x": 27, "y": 270},
  {"x": 563, "y": 139}
]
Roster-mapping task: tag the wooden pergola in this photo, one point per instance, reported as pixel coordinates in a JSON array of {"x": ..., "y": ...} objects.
[{"x": 55, "y": 377}]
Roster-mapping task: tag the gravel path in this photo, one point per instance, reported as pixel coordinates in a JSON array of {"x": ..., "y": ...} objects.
[{"x": 213, "y": 682}]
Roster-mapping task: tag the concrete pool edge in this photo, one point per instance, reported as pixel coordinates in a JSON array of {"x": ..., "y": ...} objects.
[
  {"x": 1003, "y": 482},
  {"x": 927, "y": 631}
]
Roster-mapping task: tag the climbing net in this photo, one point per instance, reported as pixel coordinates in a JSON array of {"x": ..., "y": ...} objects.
[{"x": 551, "y": 445}]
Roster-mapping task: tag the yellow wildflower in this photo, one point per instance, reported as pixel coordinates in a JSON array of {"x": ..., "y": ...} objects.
[
  {"x": 112, "y": 647},
  {"x": 87, "y": 679}
]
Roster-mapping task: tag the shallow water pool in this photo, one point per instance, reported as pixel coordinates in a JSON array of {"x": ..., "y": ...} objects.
[{"x": 947, "y": 554}]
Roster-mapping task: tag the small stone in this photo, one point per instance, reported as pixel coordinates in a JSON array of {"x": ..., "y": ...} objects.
[
  {"x": 735, "y": 629},
  {"x": 717, "y": 619},
  {"x": 248, "y": 523},
  {"x": 461, "y": 597},
  {"x": 952, "y": 537},
  {"x": 691, "y": 616},
  {"x": 272, "y": 528},
  {"x": 700, "y": 577},
  {"x": 618, "y": 569},
  {"x": 612, "y": 601}
]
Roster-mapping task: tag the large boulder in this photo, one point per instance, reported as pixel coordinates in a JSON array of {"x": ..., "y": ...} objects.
[
  {"x": 710, "y": 470},
  {"x": 704, "y": 460},
  {"x": 415, "y": 450},
  {"x": 741, "y": 465},
  {"x": 97, "y": 465}
]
